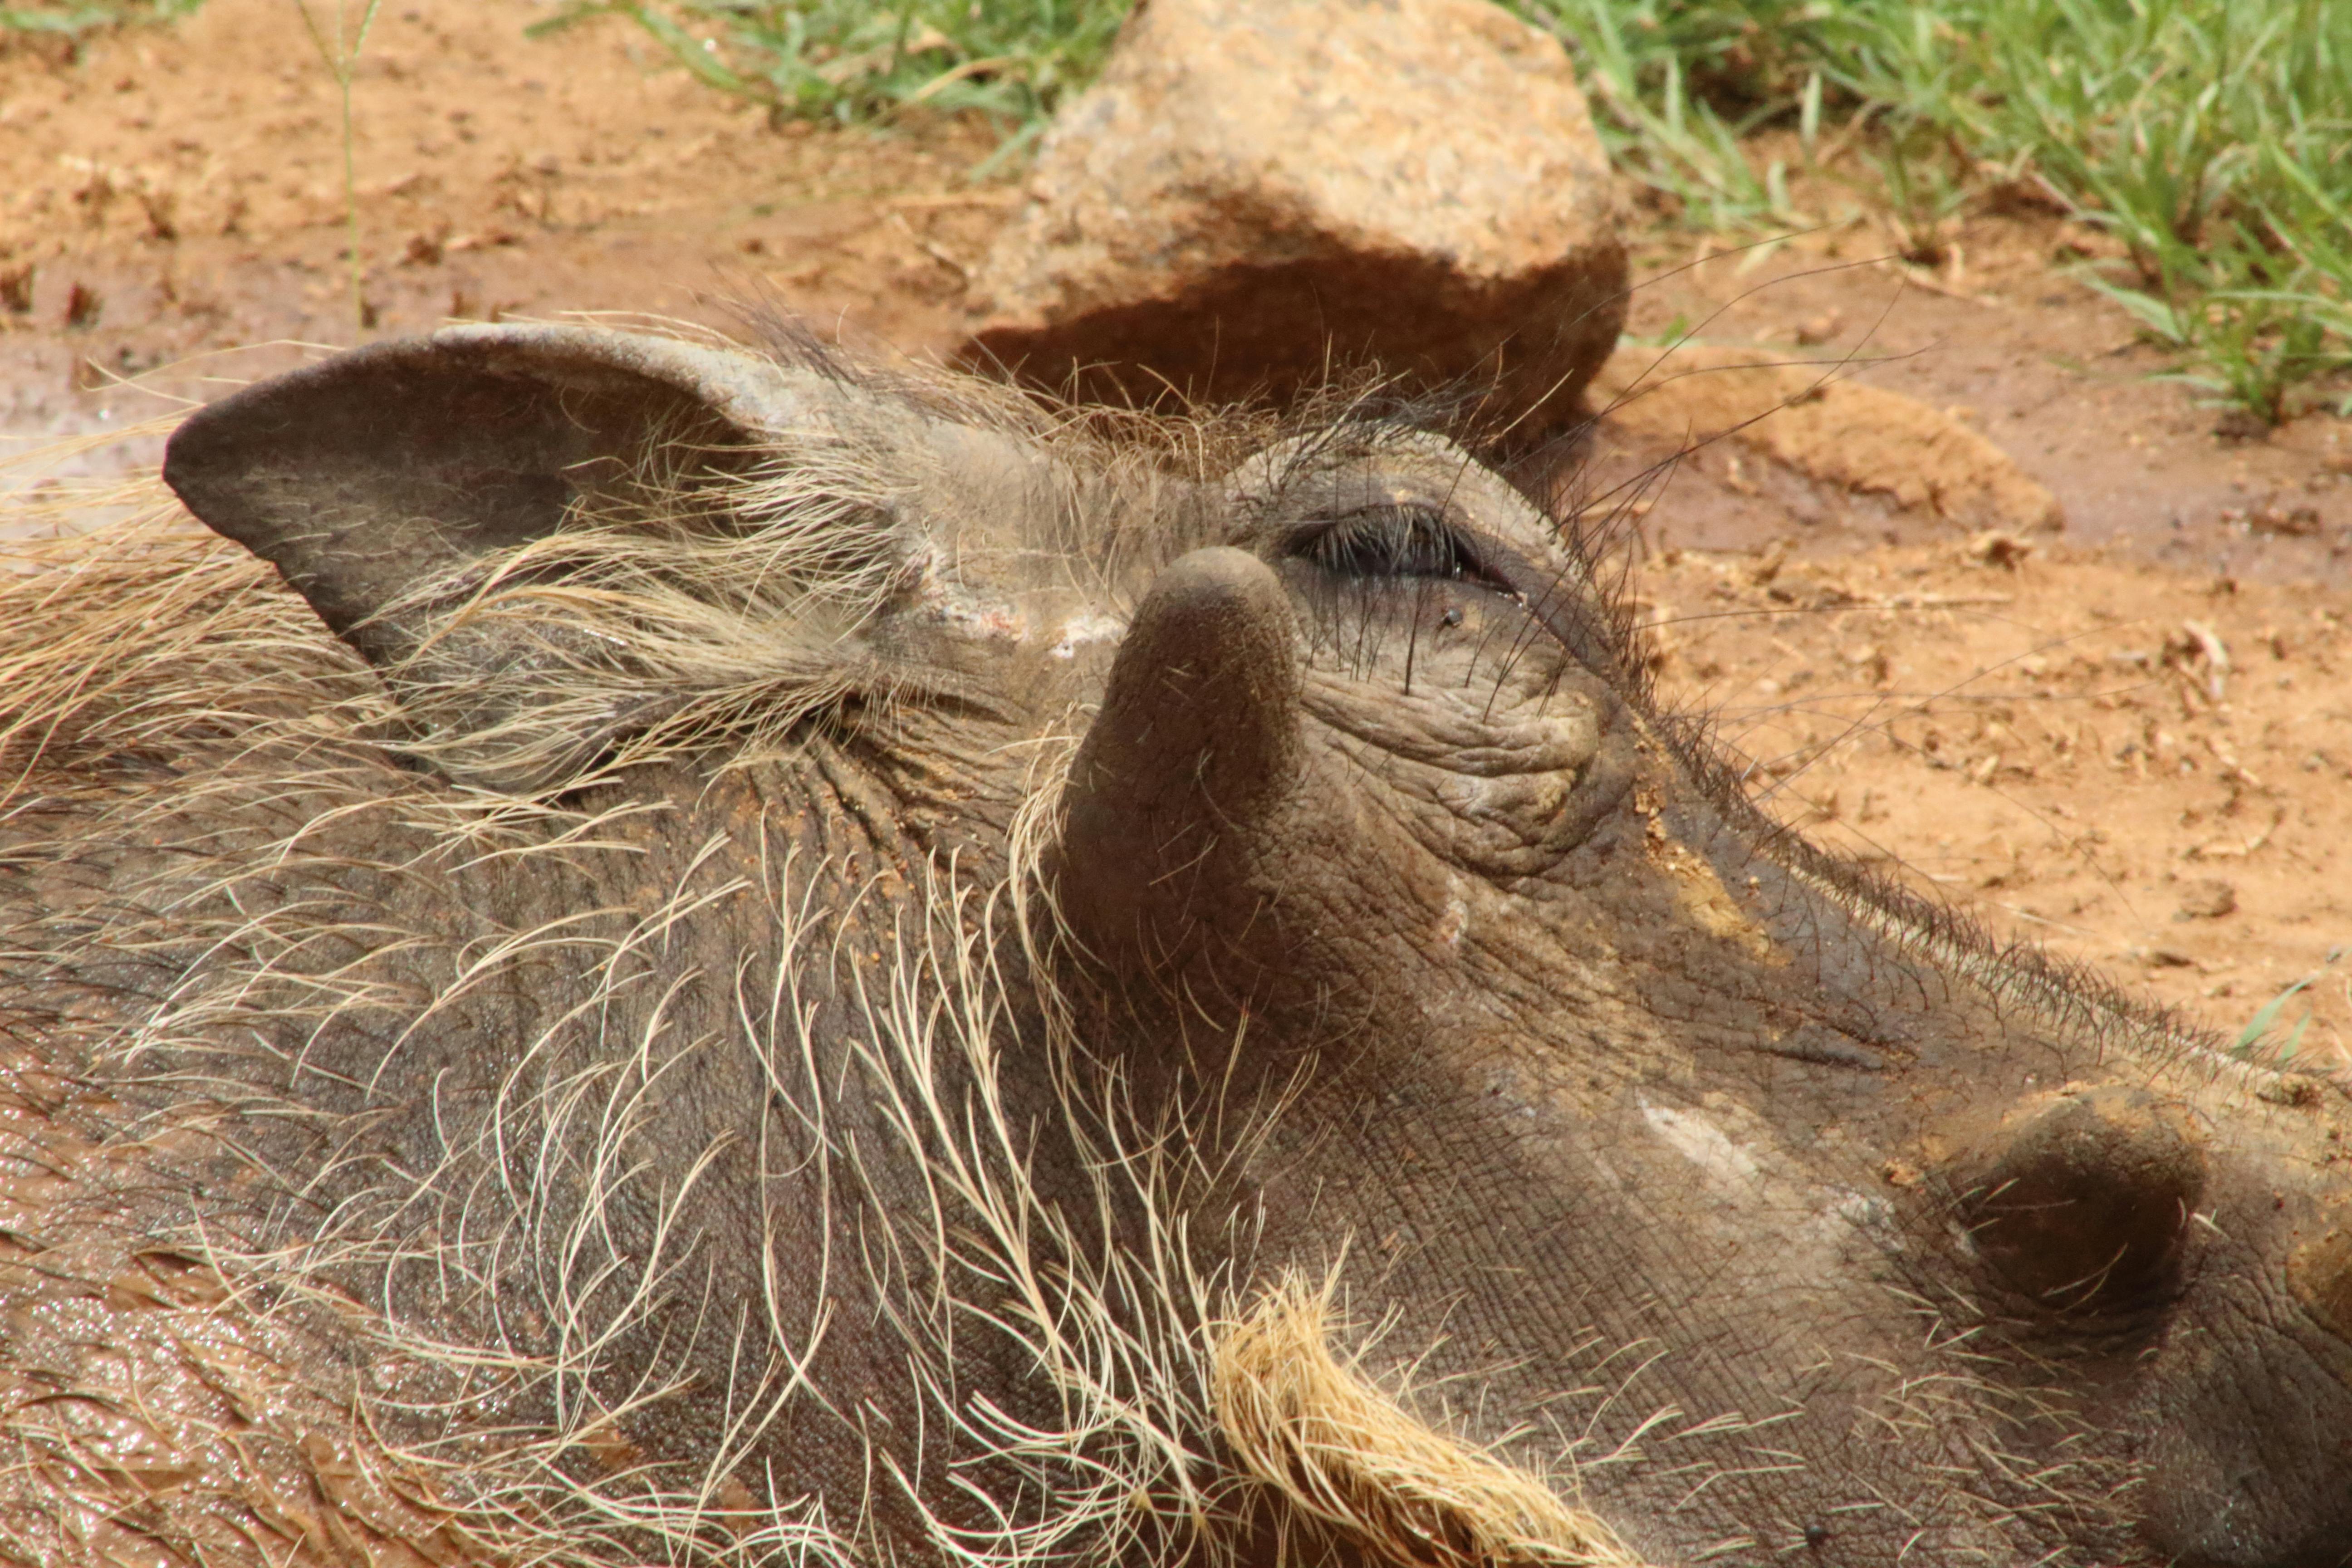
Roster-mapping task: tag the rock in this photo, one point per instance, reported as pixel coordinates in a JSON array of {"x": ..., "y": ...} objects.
[
  {"x": 1865, "y": 438},
  {"x": 1259, "y": 191}
]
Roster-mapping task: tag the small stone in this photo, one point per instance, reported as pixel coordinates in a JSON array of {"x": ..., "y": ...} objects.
[
  {"x": 2295, "y": 1091},
  {"x": 2236, "y": 426},
  {"x": 2208, "y": 899},
  {"x": 2285, "y": 522},
  {"x": 1869, "y": 662},
  {"x": 1257, "y": 193},
  {"x": 1998, "y": 547},
  {"x": 83, "y": 307}
]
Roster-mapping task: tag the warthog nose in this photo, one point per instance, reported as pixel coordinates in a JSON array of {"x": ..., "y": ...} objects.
[
  {"x": 2319, "y": 1274},
  {"x": 2081, "y": 1200}
]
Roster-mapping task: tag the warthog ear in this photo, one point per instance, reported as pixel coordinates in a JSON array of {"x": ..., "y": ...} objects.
[
  {"x": 362, "y": 476},
  {"x": 522, "y": 528}
]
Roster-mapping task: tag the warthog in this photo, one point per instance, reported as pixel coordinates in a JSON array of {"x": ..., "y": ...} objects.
[{"x": 766, "y": 961}]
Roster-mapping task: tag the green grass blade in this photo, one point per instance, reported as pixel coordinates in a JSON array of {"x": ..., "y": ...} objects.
[{"x": 2267, "y": 1015}]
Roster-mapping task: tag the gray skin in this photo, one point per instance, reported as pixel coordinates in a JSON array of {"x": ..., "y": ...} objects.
[{"x": 1806, "y": 1225}]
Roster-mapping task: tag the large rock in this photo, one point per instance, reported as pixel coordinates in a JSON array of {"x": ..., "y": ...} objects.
[{"x": 1259, "y": 191}]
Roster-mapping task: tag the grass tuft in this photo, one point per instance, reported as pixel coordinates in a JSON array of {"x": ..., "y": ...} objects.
[
  {"x": 2262, "y": 1037},
  {"x": 854, "y": 62},
  {"x": 2213, "y": 138},
  {"x": 71, "y": 18}
]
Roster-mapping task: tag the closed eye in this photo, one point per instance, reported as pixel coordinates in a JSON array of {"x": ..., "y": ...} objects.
[{"x": 1392, "y": 541}]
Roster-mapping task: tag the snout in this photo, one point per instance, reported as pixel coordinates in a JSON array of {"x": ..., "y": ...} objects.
[
  {"x": 2189, "y": 1266},
  {"x": 2247, "y": 1427}
]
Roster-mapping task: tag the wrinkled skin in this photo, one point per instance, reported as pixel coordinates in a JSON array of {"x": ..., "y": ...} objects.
[{"x": 1784, "y": 1216}]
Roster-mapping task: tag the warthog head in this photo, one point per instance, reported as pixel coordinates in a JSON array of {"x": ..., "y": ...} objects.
[{"x": 827, "y": 966}]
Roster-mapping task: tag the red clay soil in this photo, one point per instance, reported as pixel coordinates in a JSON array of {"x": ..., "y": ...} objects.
[
  {"x": 2016, "y": 348},
  {"x": 2134, "y": 741},
  {"x": 2143, "y": 767}
]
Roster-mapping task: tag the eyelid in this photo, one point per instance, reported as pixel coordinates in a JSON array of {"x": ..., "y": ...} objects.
[{"x": 1396, "y": 540}]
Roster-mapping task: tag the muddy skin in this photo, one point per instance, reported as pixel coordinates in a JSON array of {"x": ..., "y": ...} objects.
[{"x": 724, "y": 955}]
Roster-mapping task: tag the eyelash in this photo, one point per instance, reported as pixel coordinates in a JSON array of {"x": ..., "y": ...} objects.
[{"x": 1390, "y": 542}]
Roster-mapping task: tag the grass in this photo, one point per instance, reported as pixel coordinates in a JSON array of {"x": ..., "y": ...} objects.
[
  {"x": 847, "y": 61},
  {"x": 339, "y": 46},
  {"x": 2262, "y": 1036},
  {"x": 2213, "y": 138},
  {"x": 71, "y": 18}
]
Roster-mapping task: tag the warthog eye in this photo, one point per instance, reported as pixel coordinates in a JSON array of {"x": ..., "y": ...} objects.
[{"x": 1399, "y": 541}]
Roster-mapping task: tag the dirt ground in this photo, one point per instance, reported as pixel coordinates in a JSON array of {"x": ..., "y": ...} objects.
[
  {"x": 2132, "y": 764},
  {"x": 2130, "y": 739}
]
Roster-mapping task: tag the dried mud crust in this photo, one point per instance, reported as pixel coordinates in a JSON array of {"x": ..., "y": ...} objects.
[
  {"x": 2006, "y": 341},
  {"x": 2145, "y": 769},
  {"x": 1830, "y": 428}
]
